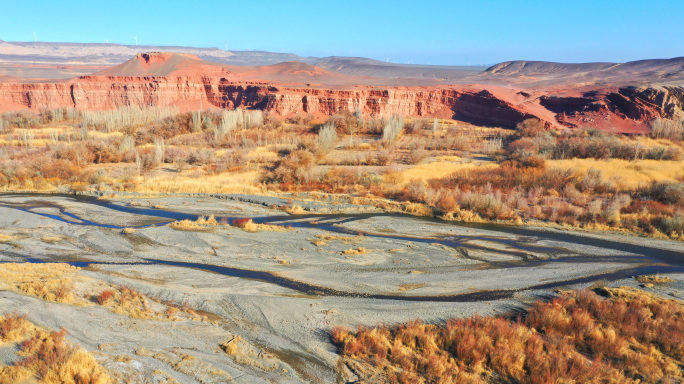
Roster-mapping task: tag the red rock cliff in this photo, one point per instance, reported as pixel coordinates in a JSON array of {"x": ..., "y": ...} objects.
[{"x": 630, "y": 107}]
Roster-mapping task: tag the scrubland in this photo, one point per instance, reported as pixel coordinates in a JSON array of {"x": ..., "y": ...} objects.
[
  {"x": 629, "y": 336},
  {"x": 575, "y": 177}
]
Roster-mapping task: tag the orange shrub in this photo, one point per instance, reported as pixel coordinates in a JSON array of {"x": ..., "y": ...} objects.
[{"x": 580, "y": 337}]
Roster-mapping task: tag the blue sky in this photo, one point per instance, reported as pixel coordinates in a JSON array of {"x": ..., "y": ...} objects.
[{"x": 435, "y": 32}]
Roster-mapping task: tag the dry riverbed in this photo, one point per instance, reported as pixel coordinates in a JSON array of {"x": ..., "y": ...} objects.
[{"x": 255, "y": 304}]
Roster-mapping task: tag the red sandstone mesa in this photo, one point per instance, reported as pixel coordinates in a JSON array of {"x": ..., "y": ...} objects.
[{"x": 186, "y": 81}]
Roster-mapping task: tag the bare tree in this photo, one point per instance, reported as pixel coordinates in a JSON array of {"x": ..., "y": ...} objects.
[
  {"x": 327, "y": 136},
  {"x": 393, "y": 128}
]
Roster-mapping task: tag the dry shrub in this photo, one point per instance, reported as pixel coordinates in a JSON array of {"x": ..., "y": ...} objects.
[
  {"x": 13, "y": 327},
  {"x": 631, "y": 337},
  {"x": 248, "y": 225},
  {"x": 201, "y": 224},
  {"x": 127, "y": 301},
  {"x": 417, "y": 209},
  {"x": 355, "y": 251},
  {"x": 48, "y": 358},
  {"x": 654, "y": 279},
  {"x": 105, "y": 296},
  {"x": 294, "y": 209},
  {"x": 295, "y": 167},
  {"x": 56, "y": 291},
  {"x": 128, "y": 231},
  {"x": 187, "y": 225},
  {"x": 209, "y": 220}
]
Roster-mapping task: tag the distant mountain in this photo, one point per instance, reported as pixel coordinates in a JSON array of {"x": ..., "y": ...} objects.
[
  {"x": 360, "y": 66},
  {"x": 101, "y": 54},
  {"x": 105, "y": 53},
  {"x": 542, "y": 68},
  {"x": 655, "y": 70},
  {"x": 40, "y": 61}
]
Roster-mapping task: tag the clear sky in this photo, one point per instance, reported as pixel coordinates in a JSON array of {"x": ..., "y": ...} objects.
[{"x": 428, "y": 31}]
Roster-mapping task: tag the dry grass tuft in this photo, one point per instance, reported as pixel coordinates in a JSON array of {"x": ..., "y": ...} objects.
[
  {"x": 5, "y": 238},
  {"x": 49, "y": 282},
  {"x": 128, "y": 301},
  {"x": 128, "y": 231},
  {"x": 355, "y": 251},
  {"x": 344, "y": 239},
  {"x": 248, "y": 225},
  {"x": 209, "y": 220},
  {"x": 410, "y": 287},
  {"x": 187, "y": 225},
  {"x": 294, "y": 209},
  {"x": 630, "y": 337},
  {"x": 200, "y": 225},
  {"x": 14, "y": 327},
  {"x": 654, "y": 279},
  {"x": 51, "y": 239}
]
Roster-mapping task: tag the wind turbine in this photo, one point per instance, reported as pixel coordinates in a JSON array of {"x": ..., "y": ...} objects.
[
  {"x": 136, "y": 40},
  {"x": 34, "y": 37}
]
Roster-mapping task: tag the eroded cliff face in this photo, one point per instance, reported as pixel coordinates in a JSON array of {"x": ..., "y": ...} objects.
[{"x": 626, "y": 109}]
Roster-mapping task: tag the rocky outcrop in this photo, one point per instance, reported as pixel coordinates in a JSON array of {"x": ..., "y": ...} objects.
[{"x": 624, "y": 109}]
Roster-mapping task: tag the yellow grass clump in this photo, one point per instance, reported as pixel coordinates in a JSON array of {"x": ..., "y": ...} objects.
[
  {"x": 248, "y": 225},
  {"x": 5, "y": 238},
  {"x": 654, "y": 279},
  {"x": 14, "y": 327},
  {"x": 294, "y": 209},
  {"x": 187, "y": 225},
  {"x": 355, "y": 251},
  {"x": 201, "y": 224},
  {"x": 128, "y": 301},
  {"x": 50, "y": 281}
]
